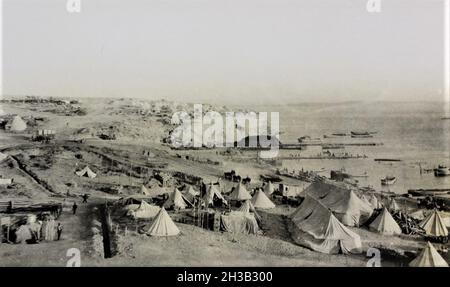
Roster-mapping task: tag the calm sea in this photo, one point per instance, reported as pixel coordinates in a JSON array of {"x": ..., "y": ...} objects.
[{"x": 411, "y": 132}]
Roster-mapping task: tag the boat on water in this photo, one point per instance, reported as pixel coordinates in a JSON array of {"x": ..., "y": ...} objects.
[
  {"x": 361, "y": 134},
  {"x": 388, "y": 180},
  {"x": 386, "y": 159},
  {"x": 339, "y": 134},
  {"x": 309, "y": 140},
  {"x": 442, "y": 170}
]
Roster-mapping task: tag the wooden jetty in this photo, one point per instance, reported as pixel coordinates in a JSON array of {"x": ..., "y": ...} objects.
[
  {"x": 303, "y": 145},
  {"x": 429, "y": 191}
]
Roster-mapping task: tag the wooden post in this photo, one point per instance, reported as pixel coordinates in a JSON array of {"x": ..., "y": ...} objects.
[{"x": 7, "y": 233}]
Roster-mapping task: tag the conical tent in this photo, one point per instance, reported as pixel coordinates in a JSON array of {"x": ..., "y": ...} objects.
[
  {"x": 374, "y": 202},
  {"x": 212, "y": 193},
  {"x": 365, "y": 200},
  {"x": 17, "y": 124},
  {"x": 321, "y": 231},
  {"x": 393, "y": 206},
  {"x": 343, "y": 202},
  {"x": 86, "y": 172},
  {"x": 145, "y": 210},
  {"x": 434, "y": 225},
  {"x": 269, "y": 188},
  {"x": 240, "y": 193},
  {"x": 429, "y": 257},
  {"x": 385, "y": 224},
  {"x": 177, "y": 200},
  {"x": 163, "y": 225},
  {"x": 260, "y": 200},
  {"x": 144, "y": 190}
]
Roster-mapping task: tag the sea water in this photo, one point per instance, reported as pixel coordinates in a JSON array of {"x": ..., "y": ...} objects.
[{"x": 412, "y": 132}]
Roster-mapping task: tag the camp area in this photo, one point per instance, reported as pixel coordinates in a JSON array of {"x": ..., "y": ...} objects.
[{"x": 123, "y": 196}]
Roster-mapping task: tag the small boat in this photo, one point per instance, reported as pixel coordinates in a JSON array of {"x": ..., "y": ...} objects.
[
  {"x": 339, "y": 134},
  {"x": 359, "y": 133},
  {"x": 309, "y": 140},
  {"x": 354, "y": 134},
  {"x": 388, "y": 180},
  {"x": 386, "y": 159},
  {"x": 442, "y": 170}
]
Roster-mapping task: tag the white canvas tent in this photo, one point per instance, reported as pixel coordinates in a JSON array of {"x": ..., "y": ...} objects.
[
  {"x": 17, "y": 124},
  {"x": 365, "y": 200},
  {"x": 393, "y": 206},
  {"x": 317, "y": 228},
  {"x": 211, "y": 194},
  {"x": 374, "y": 202},
  {"x": 163, "y": 225},
  {"x": 240, "y": 193},
  {"x": 86, "y": 172},
  {"x": 260, "y": 200},
  {"x": 385, "y": 224},
  {"x": 177, "y": 200},
  {"x": 434, "y": 225},
  {"x": 269, "y": 188},
  {"x": 239, "y": 222},
  {"x": 428, "y": 257},
  {"x": 144, "y": 210},
  {"x": 344, "y": 203}
]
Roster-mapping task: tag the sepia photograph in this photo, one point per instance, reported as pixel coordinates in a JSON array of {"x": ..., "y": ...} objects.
[{"x": 225, "y": 133}]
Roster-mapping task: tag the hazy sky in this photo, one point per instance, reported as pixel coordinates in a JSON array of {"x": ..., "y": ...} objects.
[{"x": 227, "y": 51}]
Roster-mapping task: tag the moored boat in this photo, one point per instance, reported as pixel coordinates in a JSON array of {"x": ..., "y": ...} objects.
[
  {"x": 442, "y": 170},
  {"x": 360, "y": 134},
  {"x": 309, "y": 140},
  {"x": 339, "y": 134},
  {"x": 388, "y": 180}
]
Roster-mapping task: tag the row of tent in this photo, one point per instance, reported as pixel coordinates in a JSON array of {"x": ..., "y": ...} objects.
[
  {"x": 163, "y": 225},
  {"x": 335, "y": 238},
  {"x": 320, "y": 229},
  {"x": 182, "y": 200},
  {"x": 322, "y": 217}
]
